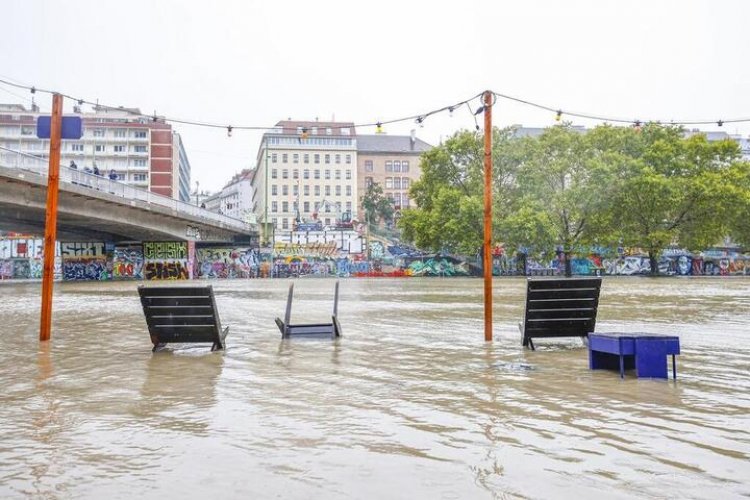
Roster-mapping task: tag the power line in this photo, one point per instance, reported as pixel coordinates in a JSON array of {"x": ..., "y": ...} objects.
[{"x": 418, "y": 118}]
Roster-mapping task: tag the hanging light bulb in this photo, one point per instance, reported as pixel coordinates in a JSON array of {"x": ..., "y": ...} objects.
[
  {"x": 229, "y": 131},
  {"x": 450, "y": 111},
  {"x": 378, "y": 128},
  {"x": 637, "y": 125},
  {"x": 720, "y": 123},
  {"x": 420, "y": 121},
  {"x": 558, "y": 115}
]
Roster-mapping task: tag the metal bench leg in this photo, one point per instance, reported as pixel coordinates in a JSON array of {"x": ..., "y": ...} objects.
[
  {"x": 622, "y": 366},
  {"x": 674, "y": 368}
]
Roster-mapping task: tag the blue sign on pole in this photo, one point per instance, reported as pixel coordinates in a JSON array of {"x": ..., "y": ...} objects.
[{"x": 72, "y": 127}]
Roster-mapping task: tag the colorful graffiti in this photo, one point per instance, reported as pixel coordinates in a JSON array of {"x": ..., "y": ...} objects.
[
  {"x": 127, "y": 262},
  {"x": 437, "y": 267},
  {"x": 166, "y": 260},
  {"x": 319, "y": 249},
  {"x": 229, "y": 263},
  {"x": 84, "y": 261}
]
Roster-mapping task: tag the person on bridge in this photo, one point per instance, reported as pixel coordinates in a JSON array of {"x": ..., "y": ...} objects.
[
  {"x": 73, "y": 165},
  {"x": 96, "y": 170},
  {"x": 112, "y": 175}
]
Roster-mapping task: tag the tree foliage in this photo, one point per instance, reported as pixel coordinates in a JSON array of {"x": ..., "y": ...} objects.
[
  {"x": 648, "y": 187},
  {"x": 376, "y": 206}
]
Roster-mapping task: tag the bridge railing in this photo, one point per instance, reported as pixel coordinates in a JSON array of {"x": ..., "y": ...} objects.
[{"x": 126, "y": 191}]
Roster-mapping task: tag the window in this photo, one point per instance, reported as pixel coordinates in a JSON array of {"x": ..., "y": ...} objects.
[
  {"x": 295, "y": 189},
  {"x": 77, "y": 147},
  {"x": 404, "y": 200},
  {"x": 307, "y": 158},
  {"x": 328, "y": 174},
  {"x": 329, "y": 131},
  {"x": 368, "y": 182},
  {"x": 274, "y": 190},
  {"x": 338, "y": 174},
  {"x": 99, "y": 148},
  {"x": 328, "y": 190},
  {"x": 317, "y": 173},
  {"x": 274, "y": 206},
  {"x": 397, "y": 166},
  {"x": 397, "y": 200},
  {"x": 295, "y": 173},
  {"x": 306, "y": 190},
  {"x": 348, "y": 175},
  {"x": 317, "y": 190},
  {"x": 389, "y": 166},
  {"x": 397, "y": 183},
  {"x": 98, "y": 132},
  {"x": 140, "y": 149},
  {"x": 348, "y": 190},
  {"x": 349, "y": 206},
  {"x": 349, "y": 159},
  {"x": 28, "y": 131},
  {"x": 139, "y": 163},
  {"x": 295, "y": 158},
  {"x": 284, "y": 190},
  {"x": 139, "y": 134},
  {"x": 328, "y": 158},
  {"x": 284, "y": 206},
  {"x": 405, "y": 183},
  {"x": 338, "y": 190},
  {"x": 345, "y": 131},
  {"x": 389, "y": 182},
  {"x": 368, "y": 166},
  {"x": 315, "y": 131},
  {"x": 284, "y": 158},
  {"x": 119, "y": 149},
  {"x": 307, "y": 173},
  {"x": 284, "y": 223},
  {"x": 274, "y": 157},
  {"x": 285, "y": 173},
  {"x": 139, "y": 177},
  {"x": 121, "y": 132},
  {"x": 328, "y": 221},
  {"x": 316, "y": 158},
  {"x": 404, "y": 166},
  {"x": 338, "y": 158},
  {"x": 306, "y": 206},
  {"x": 328, "y": 209},
  {"x": 274, "y": 173},
  {"x": 274, "y": 221}
]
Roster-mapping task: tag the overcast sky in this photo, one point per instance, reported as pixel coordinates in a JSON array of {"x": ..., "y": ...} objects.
[{"x": 254, "y": 63}]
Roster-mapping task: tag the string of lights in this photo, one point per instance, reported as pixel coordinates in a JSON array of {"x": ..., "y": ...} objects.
[{"x": 419, "y": 119}]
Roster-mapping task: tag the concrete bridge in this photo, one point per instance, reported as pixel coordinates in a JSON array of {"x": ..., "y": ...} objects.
[{"x": 94, "y": 208}]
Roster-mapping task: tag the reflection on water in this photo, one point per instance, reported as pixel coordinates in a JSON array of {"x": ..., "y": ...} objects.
[{"x": 410, "y": 403}]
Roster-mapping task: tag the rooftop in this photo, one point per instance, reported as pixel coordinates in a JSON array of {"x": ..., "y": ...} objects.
[{"x": 383, "y": 143}]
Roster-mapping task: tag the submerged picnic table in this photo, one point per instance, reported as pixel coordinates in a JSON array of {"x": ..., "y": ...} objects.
[{"x": 646, "y": 352}]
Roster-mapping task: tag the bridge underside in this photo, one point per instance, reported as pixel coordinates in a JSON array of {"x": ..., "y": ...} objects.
[{"x": 88, "y": 215}]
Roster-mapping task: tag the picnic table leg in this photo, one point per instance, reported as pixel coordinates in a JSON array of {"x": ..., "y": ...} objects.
[
  {"x": 622, "y": 366},
  {"x": 674, "y": 368}
]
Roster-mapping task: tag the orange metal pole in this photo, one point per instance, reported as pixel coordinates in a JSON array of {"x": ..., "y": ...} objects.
[
  {"x": 487, "y": 261},
  {"x": 50, "y": 225}
]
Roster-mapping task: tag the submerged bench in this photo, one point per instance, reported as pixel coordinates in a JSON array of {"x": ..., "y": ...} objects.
[
  {"x": 309, "y": 329},
  {"x": 559, "y": 307},
  {"x": 182, "y": 314},
  {"x": 646, "y": 352}
]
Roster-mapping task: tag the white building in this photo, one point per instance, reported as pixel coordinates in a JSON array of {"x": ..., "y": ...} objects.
[
  {"x": 306, "y": 171},
  {"x": 235, "y": 199},
  {"x": 141, "y": 152}
]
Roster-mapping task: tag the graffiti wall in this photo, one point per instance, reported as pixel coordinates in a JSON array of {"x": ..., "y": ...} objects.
[
  {"x": 85, "y": 261},
  {"x": 227, "y": 263},
  {"x": 127, "y": 262},
  {"x": 165, "y": 260},
  {"x": 22, "y": 258}
]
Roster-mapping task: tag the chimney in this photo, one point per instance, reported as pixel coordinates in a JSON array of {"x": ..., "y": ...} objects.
[{"x": 413, "y": 139}]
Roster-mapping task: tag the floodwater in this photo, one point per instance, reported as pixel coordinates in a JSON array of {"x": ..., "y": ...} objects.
[{"x": 410, "y": 403}]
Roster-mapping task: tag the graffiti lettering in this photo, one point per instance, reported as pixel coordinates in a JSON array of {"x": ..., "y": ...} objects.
[
  {"x": 95, "y": 249},
  {"x": 165, "y": 250},
  {"x": 160, "y": 270}
]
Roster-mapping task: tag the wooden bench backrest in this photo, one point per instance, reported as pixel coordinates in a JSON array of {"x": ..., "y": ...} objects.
[
  {"x": 180, "y": 314},
  {"x": 561, "y": 307}
]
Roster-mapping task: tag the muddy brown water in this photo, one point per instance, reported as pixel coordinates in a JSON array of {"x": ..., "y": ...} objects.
[{"x": 410, "y": 403}]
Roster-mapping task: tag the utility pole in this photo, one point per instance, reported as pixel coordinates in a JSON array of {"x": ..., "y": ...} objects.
[
  {"x": 487, "y": 254},
  {"x": 50, "y": 224}
]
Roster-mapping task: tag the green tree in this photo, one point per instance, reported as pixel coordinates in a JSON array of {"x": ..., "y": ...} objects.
[
  {"x": 450, "y": 193},
  {"x": 674, "y": 190},
  {"x": 376, "y": 206}
]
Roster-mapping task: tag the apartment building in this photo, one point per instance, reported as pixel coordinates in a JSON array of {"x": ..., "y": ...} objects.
[
  {"x": 143, "y": 152},
  {"x": 392, "y": 161},
  {"x": 234, "y": 199},
  {"x": 306, "y": 170}
]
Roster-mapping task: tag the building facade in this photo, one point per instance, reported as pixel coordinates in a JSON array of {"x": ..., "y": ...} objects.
[
  {"x": 140, "y": 151},
  {"x": 391, "y": 161},
  {"x": 306, "y": 172},
  {"x": 235, "y": 199}
]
